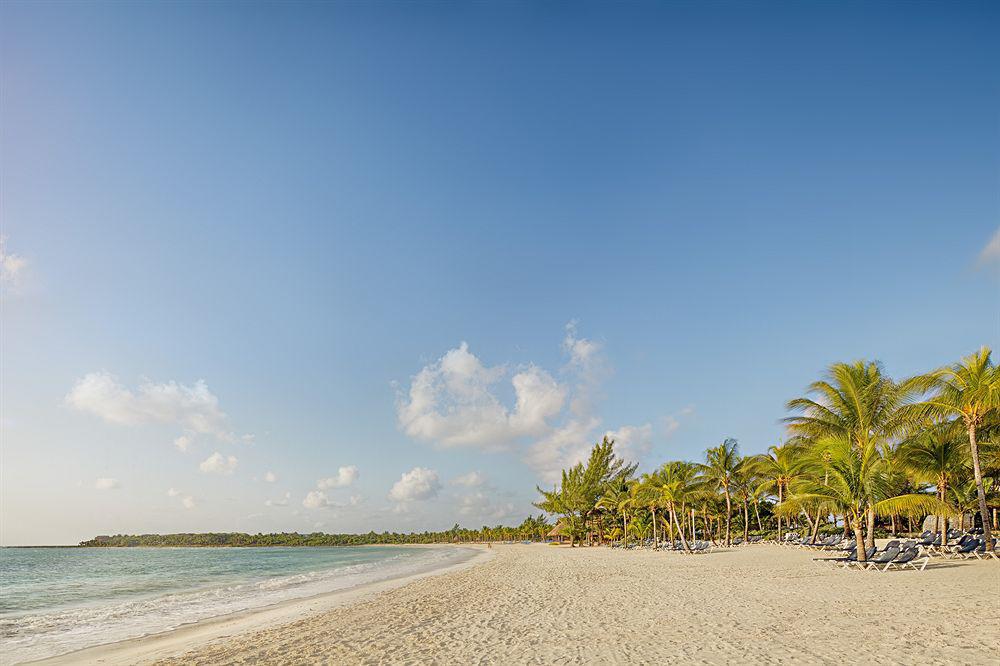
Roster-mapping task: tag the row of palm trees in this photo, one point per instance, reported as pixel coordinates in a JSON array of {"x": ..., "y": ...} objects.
[{"x": 861, "y": 449}]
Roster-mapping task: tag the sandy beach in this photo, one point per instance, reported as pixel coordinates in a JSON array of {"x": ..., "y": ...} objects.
[{"x": 542, "y": 604}]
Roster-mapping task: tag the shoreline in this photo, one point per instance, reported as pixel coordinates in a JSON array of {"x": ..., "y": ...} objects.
[{"x": 170, "y": 642}]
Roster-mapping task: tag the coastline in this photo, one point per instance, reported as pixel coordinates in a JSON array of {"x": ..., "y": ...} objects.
[{"x": 164, "y": 644}]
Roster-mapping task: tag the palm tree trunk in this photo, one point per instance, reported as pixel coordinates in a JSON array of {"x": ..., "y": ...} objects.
[
  {"x": 746, "y": 521},
  {"x": 859, "y": 538},
  {"x": 656, "y": 541},
  {"x": 943, "y": 488},
  {"x": 977, "y": 472},
  {"x": 683, "y": 540},
  {"x": 624, "y": 529},
  {"x": 756, "y": 510},
  {"x": 870, "y": 519},
  {"x": 729, "y": 515},
  {"x": 778, "y": 516},
  {"x": 815, "y": 531}
]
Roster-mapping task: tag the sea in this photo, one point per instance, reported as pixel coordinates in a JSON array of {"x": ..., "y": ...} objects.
[{"x": 57, "y": 600}]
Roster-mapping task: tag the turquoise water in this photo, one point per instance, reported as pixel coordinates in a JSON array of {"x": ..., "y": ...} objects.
[{"x": 55, "y": 600}]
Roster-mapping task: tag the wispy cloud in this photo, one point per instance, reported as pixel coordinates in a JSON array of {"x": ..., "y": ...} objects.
[
  {"x": 990, "y": 254},
  {"x": 105, "y": 483},
  {"x": 11, "y": 266},
  {"x": 194, "y": 408}
]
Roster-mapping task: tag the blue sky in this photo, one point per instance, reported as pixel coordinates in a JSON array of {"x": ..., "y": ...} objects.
[{"x": 267, "y": 230}]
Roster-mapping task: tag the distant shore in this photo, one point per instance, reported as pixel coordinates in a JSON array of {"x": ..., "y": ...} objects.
[{"x": 521, "y": 603}]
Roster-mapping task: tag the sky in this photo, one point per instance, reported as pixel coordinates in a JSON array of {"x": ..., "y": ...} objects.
[{"x": 388, "y": 266}]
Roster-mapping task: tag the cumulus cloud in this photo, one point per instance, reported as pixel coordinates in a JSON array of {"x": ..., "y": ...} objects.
[
  {"x": 452, "y": 403},
  {"x": 183, "y": 443},
  {"x": 316, "y": 499},
  {"x": 553, "y": 424},
  {"x": 11, "y": 265},
  {"x": 173, "y": 492},
  {"x": 990, "y": 254},
  {"x": 469, "y": 480},
  {"x": 419, "y": 483},
  {"x": 188, "y": 502},
  {"x": 270, "y": 477},
  {"x": 105, "y": 483},
  {"x": 218, "y": 464},
  {"x": 194, "y": 408},
  {"x": 346, "y": 476}
]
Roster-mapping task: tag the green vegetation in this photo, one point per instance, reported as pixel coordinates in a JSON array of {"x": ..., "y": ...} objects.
[
  {"x": 532, "y": 528},
  {"x": 863, "y": 453}
]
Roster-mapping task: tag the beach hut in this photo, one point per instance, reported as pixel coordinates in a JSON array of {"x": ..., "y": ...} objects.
[{"x": 559, "y": 533}]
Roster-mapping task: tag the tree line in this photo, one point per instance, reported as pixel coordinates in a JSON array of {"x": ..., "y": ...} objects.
[
  {"x": 863, "y": 453},
  {"x": 532, "y": 528}
]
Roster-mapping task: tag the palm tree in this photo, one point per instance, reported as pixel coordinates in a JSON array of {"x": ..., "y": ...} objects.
[
  {"x": 857, "y": 401},
  {"x": 677, "y": 482},
  {"x": 618, "y": 499},
  {"x": 856, "y": 485},
  {"x": 721, "y": 466},
  {"x": 649, "y": 495},
  {"x": 935, "y": 456},
  {"x": 970, "y": 390},
  {"x": 744, "y": 482},
  {"x": 778, "y": 468}
]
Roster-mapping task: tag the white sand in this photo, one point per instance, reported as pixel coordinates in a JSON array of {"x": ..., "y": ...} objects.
[{"x": 543, "y": 604}]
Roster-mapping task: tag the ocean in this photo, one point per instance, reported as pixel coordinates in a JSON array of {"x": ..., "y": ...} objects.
[{"x": 56, "y": 600}]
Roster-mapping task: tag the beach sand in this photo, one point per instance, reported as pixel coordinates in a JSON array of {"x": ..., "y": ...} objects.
[{"x": 536, "y": 604}]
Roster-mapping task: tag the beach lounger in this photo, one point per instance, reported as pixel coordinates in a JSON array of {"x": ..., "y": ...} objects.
[
  {"x": 907, "y": 558},
  {"x": 886, "y": 556}
]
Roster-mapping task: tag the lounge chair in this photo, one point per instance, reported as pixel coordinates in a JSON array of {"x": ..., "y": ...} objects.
[
  {"x": 852, "y": 560},
  {"x": 963, "y": 549},
  {"x": 886, "y": 556},
  {"x": 981, "y": 552},
  {"x": 907, "y": 558}
]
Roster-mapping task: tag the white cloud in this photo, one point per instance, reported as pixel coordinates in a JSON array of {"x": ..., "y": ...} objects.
[
  {"x": 11, "y": 265},
  {"x": 173, "y": 492},
  {"x": 270, "y": 477},
  {"x": 481, "y": 507},
  {"x": 183, "y": 443},
  {"x": 194, "y": 408},
  {"x": 562, "y": 448},
  {"x": 218, "y": 464},
  {"x": 105, "y": 483},
  {"x": 188, "y": 502},
  {"x": 582, "y": 352},
  {"x": 991, "y": 252},
  {"x": 673, "y": 421},
  {"x": 419, "y": 483},
  {"x": 346, "y": 476},
  {"x": 451, "y": 403},
  {"x": 469, "y": 480},
  {"x": 279, "y": 502},
  {"x": 316, "y": 499},
  {"x": 632, "y": 443}
]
